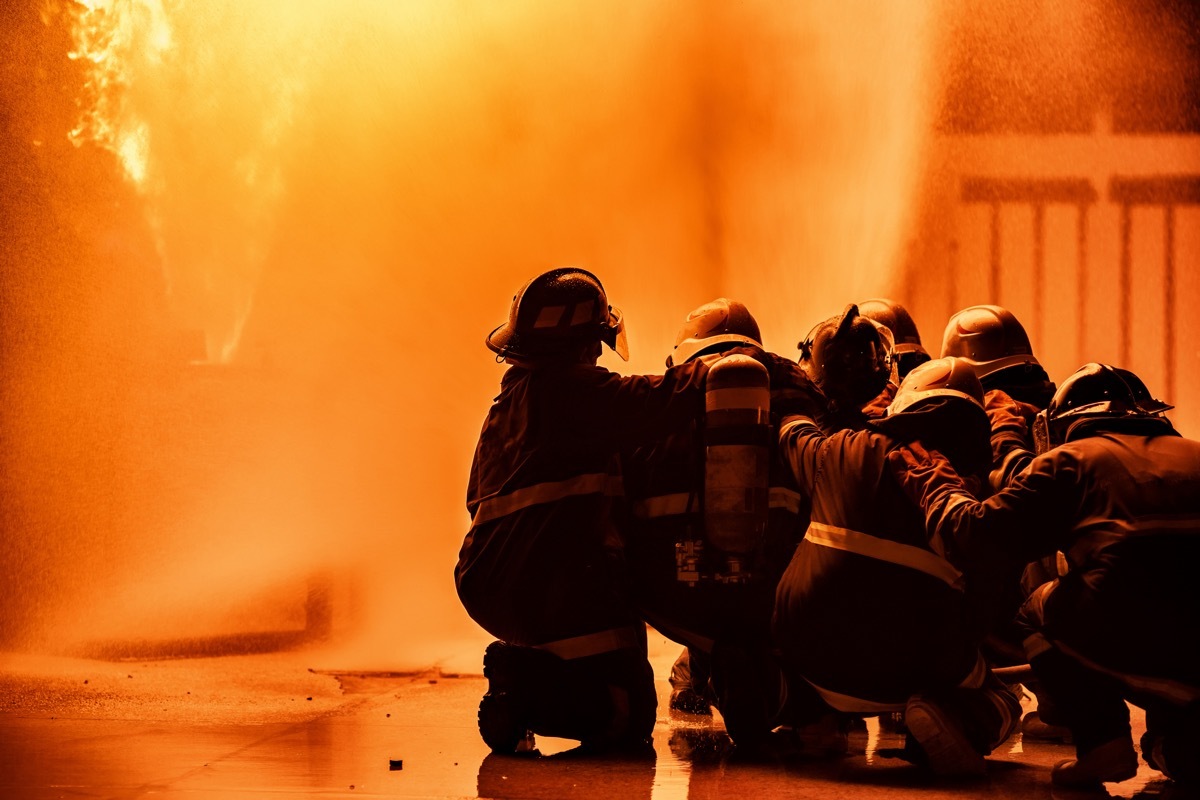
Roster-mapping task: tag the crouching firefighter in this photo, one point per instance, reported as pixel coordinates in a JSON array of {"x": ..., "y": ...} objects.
[
  {"x": 1117, "y": 491},
  {"x": 540, "y": 568},
  {"x": 715, "y": 520},
  {"x": 869, "y": 616}
]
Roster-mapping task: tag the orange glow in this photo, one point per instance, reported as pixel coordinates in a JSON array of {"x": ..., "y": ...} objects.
[{"x": 330, "y": 203}]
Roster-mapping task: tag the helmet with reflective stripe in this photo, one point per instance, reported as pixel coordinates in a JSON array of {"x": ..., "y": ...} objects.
[
  {"x": 1095, "y": 391},
  {"x": 721, "y": 322},
  {"x": 989, "y": 338},
  {"x": 849, "y": 357},
  {"x": 557, "y": 313},
  {"x": 908, "y": 350},
  {"x": 940, "y": 377}
]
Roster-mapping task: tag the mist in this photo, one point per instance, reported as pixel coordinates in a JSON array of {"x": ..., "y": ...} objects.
[{"x": 253, "y": 256}]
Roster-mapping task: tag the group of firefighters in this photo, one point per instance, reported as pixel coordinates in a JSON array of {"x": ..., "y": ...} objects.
[{"x": 863, "y": 531}]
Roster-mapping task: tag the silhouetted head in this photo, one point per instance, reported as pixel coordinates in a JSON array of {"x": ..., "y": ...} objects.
[
  {"x": 907, "y": 350},
  {"x": 941, "y": 403},
  {"x": 560, "y": 315},
  {"x": 848, "y": 357},
  {"x": 1099, "y": 398},
  {"x": 993, "y": 341},
  {"x": 713, "y": 327}
]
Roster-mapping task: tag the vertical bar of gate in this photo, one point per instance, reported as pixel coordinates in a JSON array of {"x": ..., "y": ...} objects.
[
  {"x": 1039, "y": 269},
  {"x": 1169, "y": 297},
  {"x": 994, "y": 257},
  {"x": 1125, "y": 287},
  {"x": 1081, "y": 284}
]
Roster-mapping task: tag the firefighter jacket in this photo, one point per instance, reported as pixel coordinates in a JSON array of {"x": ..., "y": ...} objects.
[
  {"x": 1123, "y": 506},
  {"x": 866, "y": 612},
  {"x": 686, "y": 587},
  {"x": 540, "y": 563}
]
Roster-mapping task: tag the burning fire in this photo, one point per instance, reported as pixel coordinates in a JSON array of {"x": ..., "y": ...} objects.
[{"x": 113, "y": 37}]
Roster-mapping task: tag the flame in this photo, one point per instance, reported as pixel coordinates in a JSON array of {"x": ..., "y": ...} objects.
[{"x": 112, "y": 36}]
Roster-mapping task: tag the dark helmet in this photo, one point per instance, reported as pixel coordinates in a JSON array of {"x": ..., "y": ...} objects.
[
  {"x": 988, "y": 337},
  {"x": 1141, "y": 394},
  {"x": 908, "y": 350},
  {"x": 721, "y": 322},
  {"x": 848, "y": 357},
  {"x": 557, "y": 313},
  {"x": 941, "y": 377},
  {"x": 1095, "y": 392}
]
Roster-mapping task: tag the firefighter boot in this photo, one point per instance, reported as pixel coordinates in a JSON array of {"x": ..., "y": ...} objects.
[
  {"x": 942, "y": 739},
  {"x": 1115, "y": 760},
  {"x": 503, "y": 711}
]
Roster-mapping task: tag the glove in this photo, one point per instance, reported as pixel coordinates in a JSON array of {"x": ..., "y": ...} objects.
[
  {"x": 1010, "y": 421},
  {"x": 877, "y": 408},
  {"x": 925, "y": 476},
  {"x": 1007, "y": 415}
]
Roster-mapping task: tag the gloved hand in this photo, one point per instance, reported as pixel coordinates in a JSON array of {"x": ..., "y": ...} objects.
[
  {"x": 1006, "y": 414},
  {"x": 1010, "y": 421},
  {"x": 877, "y": 408},
  {"x": 925, "y": 476}
]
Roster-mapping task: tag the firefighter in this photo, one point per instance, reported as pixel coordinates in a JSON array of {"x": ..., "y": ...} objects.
[
  {"x": 848, "y": 357},
  {"x": 1016, "y": 386},
  {"x": 871, "y": 617},
  {"x": 907, "y": 351},
  {"x": 1117, "y": 490},
  {"x": 705, "y": 572},
  {"x": 539, "y": 568}
]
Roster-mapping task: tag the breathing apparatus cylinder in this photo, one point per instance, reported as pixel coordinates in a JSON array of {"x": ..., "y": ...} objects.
[{"x": 737, "y": 452}]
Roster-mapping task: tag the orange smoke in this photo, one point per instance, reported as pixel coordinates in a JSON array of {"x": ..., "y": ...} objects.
[{"x": 344, "y": 197}]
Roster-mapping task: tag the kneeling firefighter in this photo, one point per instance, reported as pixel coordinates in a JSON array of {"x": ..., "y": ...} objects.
[
  {"x": 868, "y": 614},
  {"x": 715, "y": 520},
  {"x": 540, "y": 568},
  {"x": 1117, "y": 490}
]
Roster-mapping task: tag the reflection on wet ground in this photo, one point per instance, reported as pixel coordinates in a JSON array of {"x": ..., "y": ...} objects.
[{"x": 255, "y": 733}]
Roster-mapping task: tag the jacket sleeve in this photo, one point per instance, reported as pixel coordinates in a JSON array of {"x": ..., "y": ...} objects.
[
  {"x": 1031, "y": 518},
  {"x": 622, "y": 411},
  {"x": 800, "y": 443}
]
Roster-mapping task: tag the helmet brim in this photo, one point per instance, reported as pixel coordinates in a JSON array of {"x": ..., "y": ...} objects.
[
  {"x": 689, "y": 348},
  {"x": 500, "y": 340}
]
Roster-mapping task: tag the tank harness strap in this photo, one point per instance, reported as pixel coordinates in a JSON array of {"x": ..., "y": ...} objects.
[{"x": 593, "y": 644}]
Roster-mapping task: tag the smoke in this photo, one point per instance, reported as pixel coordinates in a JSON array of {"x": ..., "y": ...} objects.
[{"x": 343, "y": 198}]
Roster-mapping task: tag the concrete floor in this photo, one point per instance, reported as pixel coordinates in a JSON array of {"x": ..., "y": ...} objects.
[{"x": 268, "y": 726}]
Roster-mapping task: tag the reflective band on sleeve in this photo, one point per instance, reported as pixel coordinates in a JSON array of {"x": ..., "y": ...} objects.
[
  {"x": 855, "y": 705},
  {"x": 593, "y": 644},
  {"x": 904, "y": 555},
  {"x": 796, "y": 422},
  {"x": 591, "y": 483},
  {"x": 754, "y": 398}
]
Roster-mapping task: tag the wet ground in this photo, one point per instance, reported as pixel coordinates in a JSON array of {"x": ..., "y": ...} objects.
[{"x": 269, "y": 726}]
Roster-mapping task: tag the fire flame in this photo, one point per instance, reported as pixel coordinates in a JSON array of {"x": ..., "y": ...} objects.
[{"x": 111, "y": 35}]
